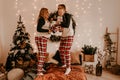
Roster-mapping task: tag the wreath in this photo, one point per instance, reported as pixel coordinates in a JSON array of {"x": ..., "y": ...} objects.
[{"x": 55, "y": 38}]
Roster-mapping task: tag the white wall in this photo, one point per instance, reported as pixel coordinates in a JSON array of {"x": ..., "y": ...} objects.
[
  {"x": 1, "y": 25},
  {"x": 6, "y": 27},
  {"x": 112, "y": 18},
  {"x": 92, "y": 17}
]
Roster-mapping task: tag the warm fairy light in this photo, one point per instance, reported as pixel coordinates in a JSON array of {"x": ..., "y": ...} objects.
[
  {"x": 90, "y": 4},
  {"x": 35, "y": 33},
  {"x": 76, "y": 43},
  {"x": 35, "y": 8},
  {"x": 77, "y": 5},
  {"x": 78, "y": 35},
  {"x": 43, "y": 3},
  {"x": 88, "y": 7},
  {"x": 101, "y": 19},
  {"x": 35, "y": 0},
  {"x": 100, "y": 13},
  {"x": 78, "y": 46},
  {"x": 101, "y": 24},
  {"x": 82, "y": 8},
  {"x": 16, "y": 6},
  {"x": 16, "y": 3},
  {"x": 77, "y": 17},
  {"x": 76, "y": 13},
  {"x": 35, "y": 25},
  {"x": 99, "y": 0},
  {"x": 77, "y": 1},
  {"x": 61, "y": 1},
  {"x": 84, "y": 11},
  {"x": 99, "y": 8}
]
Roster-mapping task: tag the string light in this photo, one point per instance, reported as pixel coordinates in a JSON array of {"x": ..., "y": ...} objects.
[
  {"x": 34, "y": 24},
  {"x": 35, "y": 0},
  {"x": 84, "y": 11},
  {"x": 82, "y": 8},
  {"x": 100, "y": 20},
  {"x": 100, "y": 13},
  {"x": 83, "y": 3},
  {"x": 99, "y": 0},
  {"x": 16, "y": 6}
]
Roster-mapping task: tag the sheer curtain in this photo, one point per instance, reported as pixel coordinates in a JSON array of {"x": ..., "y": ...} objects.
[
  {"x": 0, "y": 48},
  {"x": 1, "y": 24}
]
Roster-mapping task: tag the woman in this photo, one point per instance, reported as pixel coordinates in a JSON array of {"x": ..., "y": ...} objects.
[{"x": 41, "y": 38}]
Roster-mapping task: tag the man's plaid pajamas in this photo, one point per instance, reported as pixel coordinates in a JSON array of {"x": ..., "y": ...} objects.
[
  {"x": 65, "y": 46},
  {"x": 42, "y": 51}
]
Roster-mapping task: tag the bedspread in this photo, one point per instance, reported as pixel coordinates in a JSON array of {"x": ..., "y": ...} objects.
[{"x": 57, "y": 73}]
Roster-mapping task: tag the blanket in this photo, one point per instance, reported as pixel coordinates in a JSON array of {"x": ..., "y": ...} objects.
[{"x": 57, "y": 73}]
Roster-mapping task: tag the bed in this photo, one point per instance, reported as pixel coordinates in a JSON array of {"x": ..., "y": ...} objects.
[{"x": 57, "y": 73}]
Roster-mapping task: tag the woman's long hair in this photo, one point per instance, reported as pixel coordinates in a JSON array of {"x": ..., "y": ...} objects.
[{"x": 42, "y": 12}]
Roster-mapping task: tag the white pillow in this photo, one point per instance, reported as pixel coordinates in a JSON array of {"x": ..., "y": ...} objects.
[
  {"x": 15, "y": 74},
  {"x": 51, "y": 60},
  {"x": 75, "y": 57}
]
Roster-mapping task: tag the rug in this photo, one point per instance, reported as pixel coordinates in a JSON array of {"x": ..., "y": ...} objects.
[{"x": 57, "y": 73}]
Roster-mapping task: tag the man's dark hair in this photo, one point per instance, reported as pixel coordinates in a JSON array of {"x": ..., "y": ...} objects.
[{"x": 62, "y": 5}]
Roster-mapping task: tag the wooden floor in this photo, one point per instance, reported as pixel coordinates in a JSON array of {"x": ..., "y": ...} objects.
[{"x": 105, "y": 76}]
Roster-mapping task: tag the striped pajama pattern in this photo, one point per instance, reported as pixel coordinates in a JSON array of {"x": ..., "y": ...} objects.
[
  {"x": 41, "y": 43},
  {"x": 65, "y": 46}
]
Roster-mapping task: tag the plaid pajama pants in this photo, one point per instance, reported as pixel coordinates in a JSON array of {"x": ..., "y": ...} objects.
[
  {"x": 65, "y": 46},
  {"x": 41, "y": 43}
]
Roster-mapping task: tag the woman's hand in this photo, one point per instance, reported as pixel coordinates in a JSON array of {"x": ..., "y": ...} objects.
[
  {"x": 61, "y": 29},
  {"x": 49, "y": 31}
]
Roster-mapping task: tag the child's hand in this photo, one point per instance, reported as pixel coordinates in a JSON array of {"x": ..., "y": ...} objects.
[{"x": 61, "y": 29}]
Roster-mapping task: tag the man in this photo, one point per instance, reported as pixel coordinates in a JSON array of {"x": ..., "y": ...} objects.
[{"x": 64, "y": 20}]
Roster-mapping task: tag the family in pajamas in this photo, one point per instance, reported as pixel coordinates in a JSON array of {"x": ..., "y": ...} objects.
[{"x": 64, "y": 21}]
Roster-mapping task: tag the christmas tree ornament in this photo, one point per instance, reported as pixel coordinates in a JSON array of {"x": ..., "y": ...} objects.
[{"x": 21, "y": 54}]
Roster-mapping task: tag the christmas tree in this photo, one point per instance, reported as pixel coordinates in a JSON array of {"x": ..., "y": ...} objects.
[{"x": 21, "y": 53}]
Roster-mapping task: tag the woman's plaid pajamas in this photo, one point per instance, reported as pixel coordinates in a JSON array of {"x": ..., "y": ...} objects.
[
  {"x": 65, "y": 46},
  {"x": 42, "y": 51}
]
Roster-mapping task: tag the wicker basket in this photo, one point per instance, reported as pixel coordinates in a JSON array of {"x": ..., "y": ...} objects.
[{"x": 89, "y": 58}]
